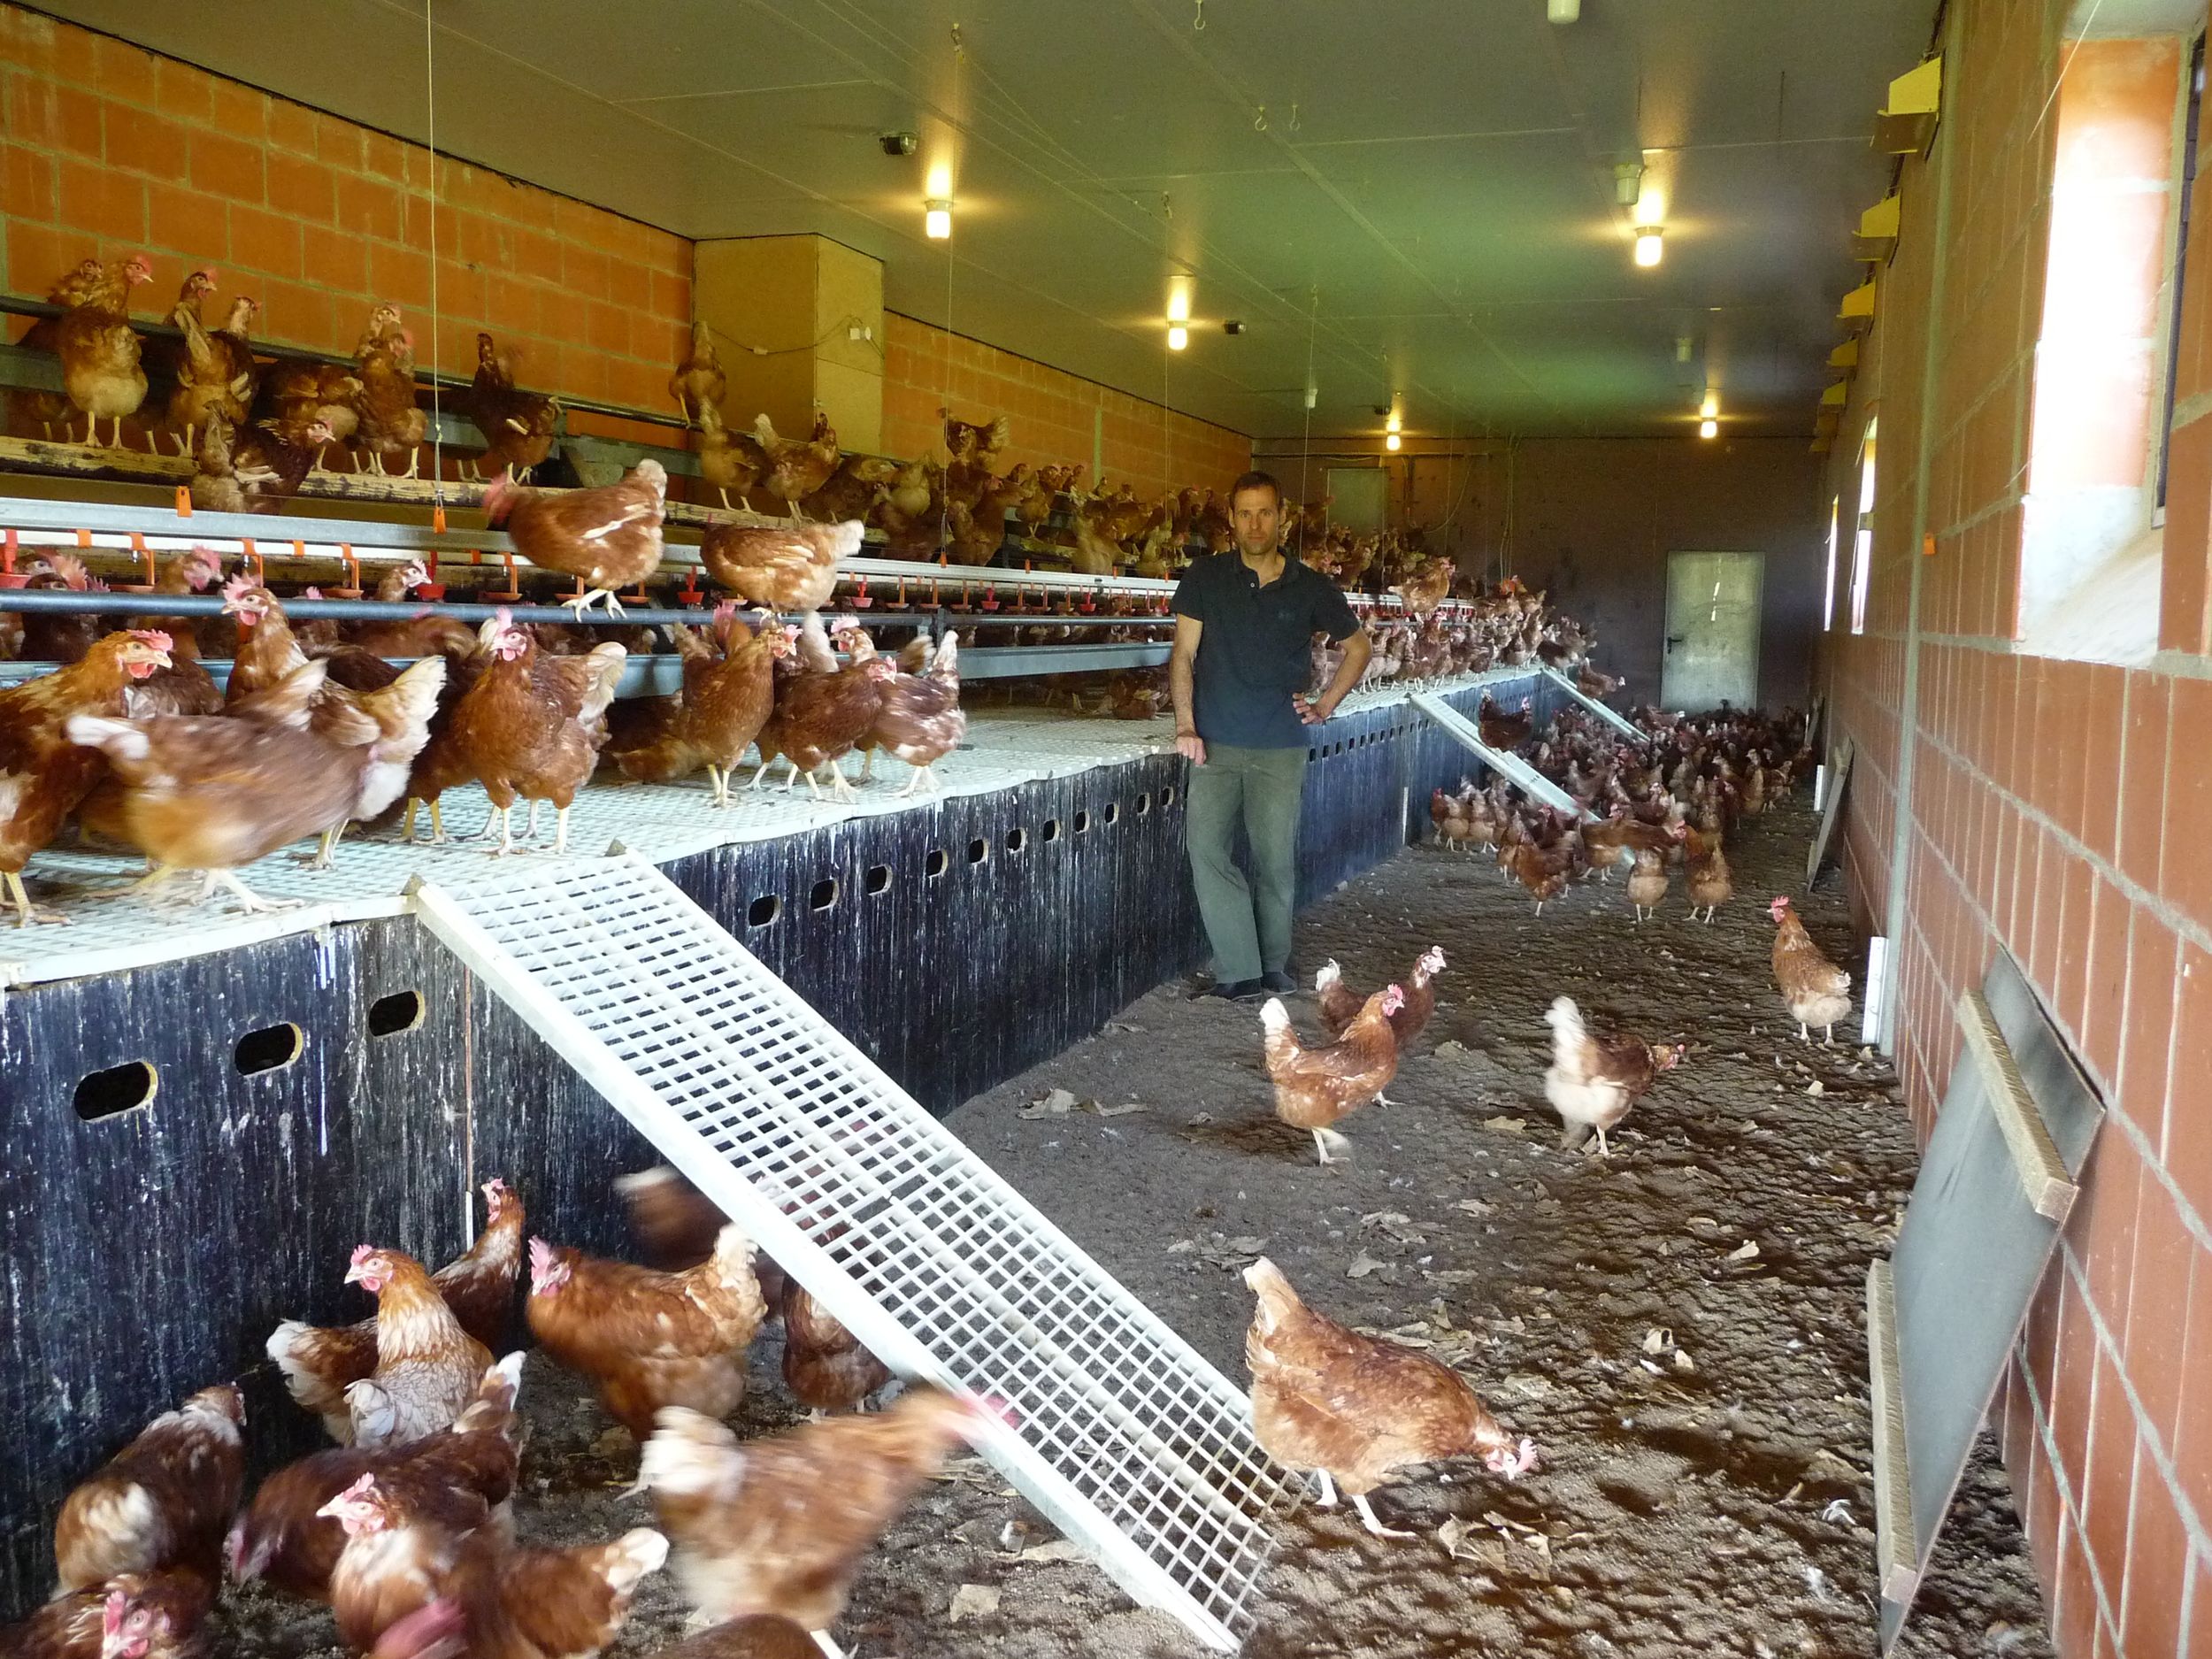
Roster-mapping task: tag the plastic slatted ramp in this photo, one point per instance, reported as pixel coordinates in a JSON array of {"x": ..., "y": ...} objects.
[
  {"x": 1613, "y": 718},
  {"x": 1127, "y": 1441},
  {"x": 1512, "y": 768}
]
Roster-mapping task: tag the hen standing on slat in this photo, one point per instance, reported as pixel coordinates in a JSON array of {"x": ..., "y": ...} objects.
[
  {"x": 919, "y": 718},
  {"x": 45, "y": 775},
  {"x": 218, "y": 371},
  {"x": 726, "y": 698},
  {"x": 530, "y": 727},
  {"x": 698, "y": 384},
  {"x": 821, "y": 710},
  {"x": 797, "y": 467},
  {"x": 388, "y": 421},
  {"x": 517, "y": 426},
  {"x": 101, "y": 369},
  {"x": 727, "y": 460},
  {"x": 608, "y": 538}
]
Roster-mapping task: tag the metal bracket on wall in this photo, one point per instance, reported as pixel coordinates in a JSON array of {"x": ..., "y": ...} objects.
[{"x": 1512, "y": 768}]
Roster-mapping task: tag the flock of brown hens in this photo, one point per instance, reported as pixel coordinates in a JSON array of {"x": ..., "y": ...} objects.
[
  {"x": 132, "y": 740},
  {"x": 1350, "y": 1407},
  {"x": 404, "y": 1527}
]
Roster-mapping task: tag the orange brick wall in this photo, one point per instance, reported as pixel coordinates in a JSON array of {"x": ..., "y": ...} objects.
[
  {"x": 108, "y": 149},
  {"x": 1053, "y": 414},
  {"x": 2055, "y": 810}
]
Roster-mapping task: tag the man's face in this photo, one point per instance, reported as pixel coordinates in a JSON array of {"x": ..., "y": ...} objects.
[{"x": 1254, "y": 512}]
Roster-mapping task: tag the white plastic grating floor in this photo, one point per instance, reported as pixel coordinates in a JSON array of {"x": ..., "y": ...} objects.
[
  {"x": 1128, "y": 1439},
  {"x": 1005, "y": 748}
]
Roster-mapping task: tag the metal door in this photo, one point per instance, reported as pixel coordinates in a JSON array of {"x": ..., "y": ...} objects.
[{"x": 1712, "y": 653}]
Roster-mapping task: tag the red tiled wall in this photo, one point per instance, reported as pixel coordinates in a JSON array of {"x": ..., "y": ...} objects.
[
  {"x": 108, "y": 149},
  {"x": 1053, "y": 414},
  {"x": 2056, "y": 811}
]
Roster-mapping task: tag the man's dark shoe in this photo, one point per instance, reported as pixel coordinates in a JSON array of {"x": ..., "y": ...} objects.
[
  {"x": 1237, "y": 991},
  {"x": 1278, "y": 980}
]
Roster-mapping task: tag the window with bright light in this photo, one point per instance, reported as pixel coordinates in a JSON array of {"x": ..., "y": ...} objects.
[
  {"x": 1862, "y": 543},
  {"x": 1828, "y": 584},
  {"x": 2092, "y": 543}
]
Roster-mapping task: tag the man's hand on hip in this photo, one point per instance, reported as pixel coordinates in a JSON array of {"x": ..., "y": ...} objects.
[
  {"x": 1314, "y": 710},
  {"x": 1191, "y": 747}
]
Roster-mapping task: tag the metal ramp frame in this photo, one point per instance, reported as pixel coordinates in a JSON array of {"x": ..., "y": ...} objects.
[
  {"x": 1613, "y": 718},
  {"x": 1127, "y": 1441},
  {"x": 1512, "y": 768}
]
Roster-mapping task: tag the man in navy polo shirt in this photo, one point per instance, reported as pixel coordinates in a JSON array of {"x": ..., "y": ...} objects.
[{"x": 1244, "y": 628}]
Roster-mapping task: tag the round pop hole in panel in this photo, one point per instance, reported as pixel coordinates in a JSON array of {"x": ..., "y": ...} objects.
[
  {"x": 1144, "y": 802},
  {"x": 979, "y": 850},
  {"x": 121, "y": 1088},
  {"x": 934, "y": 864},
  {"x": 1082, "y": 823},
  {"x": 764, "y": 910},
  {"x": 1017, "y": 840},
  {"x": 389, "y": 1016},
  {"x": 271, "y": 1048},
  {"x": 878, "y": 877},
  {"x": 1052, "y": 829},
  {"x": 825, "y": 893}
]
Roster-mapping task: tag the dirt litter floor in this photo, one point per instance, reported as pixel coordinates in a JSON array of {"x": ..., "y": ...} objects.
[{"x": 1701, "y": 1403}]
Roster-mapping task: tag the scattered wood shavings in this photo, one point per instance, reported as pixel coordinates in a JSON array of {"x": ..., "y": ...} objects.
[
  {"x": 1506, "y": 1125},
  {"x": 1362, "y": 1264},
  {"x": 1747, "y": 1251}
]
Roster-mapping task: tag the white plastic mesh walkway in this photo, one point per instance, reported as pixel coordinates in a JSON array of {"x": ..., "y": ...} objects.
[
  {"x": 1128, "y": 1440},
  {"x": 1509, "y": 766}
]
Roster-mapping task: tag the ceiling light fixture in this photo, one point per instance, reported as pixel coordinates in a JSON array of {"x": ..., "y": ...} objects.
[
  {"x": 1682, "y": 345},
  {"x": 1179, "y": 303},
  {"x": 1648, "y": 245},
  {"x": 1710, "y": 407},
  {"x": 1562, "y": 11},
  {"x": 1177, "y": 337},
  {"x": 1391, "y": 441},
  {"x": 1709, "y": 428},
  {"x": 1628, "y": 182},
  {"x": 1393, "y": 424},
  {"x": 937, "y": 218}
]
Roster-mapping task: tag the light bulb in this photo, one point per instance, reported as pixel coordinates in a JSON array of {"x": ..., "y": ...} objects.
[
  {"x": 1177, "y": 337},
  {"x": 1391, "y": 441},
  {"x": 1709, "y": 428},
  {"x": 1710, "y": 407},
  {"x": 937, "y": 218},
  {"x": 1648, "y": 248}
]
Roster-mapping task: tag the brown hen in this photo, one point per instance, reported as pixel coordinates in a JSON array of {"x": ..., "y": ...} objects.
[{"x": 1353, "y": 1409}]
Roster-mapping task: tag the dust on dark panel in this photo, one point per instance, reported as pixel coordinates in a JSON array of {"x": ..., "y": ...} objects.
[{"x": 193, "y": 1225}]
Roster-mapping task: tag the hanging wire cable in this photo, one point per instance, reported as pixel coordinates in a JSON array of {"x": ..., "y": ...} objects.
[
  {"x": 1312, "y": 395},
  {"x": 437, "y": 400},
  {"x": 959, "y": 126}
]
